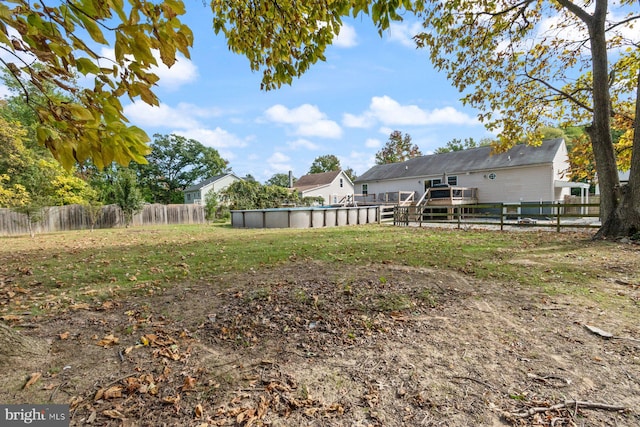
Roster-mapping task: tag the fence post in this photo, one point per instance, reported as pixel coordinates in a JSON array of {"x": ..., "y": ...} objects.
[
  {"x": 558, "y": 218},
  {"x": 458, "y": 211},
  {"x": 501, "y": 216}
]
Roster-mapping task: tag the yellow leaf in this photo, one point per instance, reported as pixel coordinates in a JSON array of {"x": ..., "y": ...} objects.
[{"x": 108, "y": 341}]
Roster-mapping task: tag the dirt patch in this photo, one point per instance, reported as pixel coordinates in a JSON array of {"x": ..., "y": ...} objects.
[{"x": 309, "y": 344}]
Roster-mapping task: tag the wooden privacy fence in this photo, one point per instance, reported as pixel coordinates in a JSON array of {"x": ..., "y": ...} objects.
[
  {"x": 77, "y": 217},
  {"x": 551, "y": 214}
]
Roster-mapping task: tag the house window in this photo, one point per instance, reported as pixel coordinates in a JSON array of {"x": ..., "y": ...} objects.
[
  {"x": 365, "y": 189},
  {"x": 189, "y": 196},
  {"x": 428, "y": 183},
  {"x": 340, "y": 182},
  {"x": 452, "y": 180},
  {"x": 492, "y": 176}
]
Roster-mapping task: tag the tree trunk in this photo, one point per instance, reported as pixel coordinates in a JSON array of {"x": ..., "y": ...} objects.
[
  {"x": 611, "y": 203},
  {"x": 625, "y": 220},
  {"x": 17, "y": 348}
]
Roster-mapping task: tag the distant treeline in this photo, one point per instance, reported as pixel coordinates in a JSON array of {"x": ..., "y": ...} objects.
[{"x": 79, "y": 217}]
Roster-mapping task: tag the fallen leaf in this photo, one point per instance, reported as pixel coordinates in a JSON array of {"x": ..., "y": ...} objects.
[
  {"x": 170, "y": 400},
  {"x": 198, "y": 411},
  {"x": 32, "y": 379},
  {"x": 64, "y": 335},
  {"x": 108, "y": 341},
  {"x": 113, "y": 392},
  {"x": 113, "y": 413},
  {"x": 189, "y": 383}
]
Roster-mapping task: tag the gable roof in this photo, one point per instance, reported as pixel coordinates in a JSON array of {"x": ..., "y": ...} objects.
[
  {"x": 207, "y": 181},
  {"x": 474, "y": 159},
  {"x": 315, "y": 180}
]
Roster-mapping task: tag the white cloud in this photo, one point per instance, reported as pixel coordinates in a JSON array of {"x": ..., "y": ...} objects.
[
  {"x": 362, "y": 121},
  {"x": 277, "y": 163},
  {"x": 183, "y": 116},
  {"x": 323, "y": 128},
  {"x": 385, "y": 130},
  {"x": 217, "y": 138},
  {"x": 403, "y": 33},
  {"x": 372, "y": 143},
  {"x": 182, "y": 72},
  {"x": 346, "y": 38},
  {"x": 302, "y": 144},
  {"x": 305, "y": 120},
  {"x": 390, "y": 112},
  {"x": 359, "y": 161},
  {"x": 184, "y": 120},
  {"x": 278, "y": 157}
]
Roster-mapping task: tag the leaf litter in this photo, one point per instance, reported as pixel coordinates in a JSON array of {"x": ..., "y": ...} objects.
[{"x": 308, "y": 344}]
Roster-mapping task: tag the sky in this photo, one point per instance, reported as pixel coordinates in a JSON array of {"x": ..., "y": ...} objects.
[{"x": 348, "y": 106}]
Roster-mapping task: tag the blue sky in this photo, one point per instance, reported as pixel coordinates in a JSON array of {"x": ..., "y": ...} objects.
[{"x": 346, "y": 106}]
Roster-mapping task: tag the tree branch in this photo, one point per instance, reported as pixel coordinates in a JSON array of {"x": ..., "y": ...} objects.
[
  {"x": 566, "y": 95},
  {"x": 582, "y": 14},
  {"x": 570, "y": 404}
]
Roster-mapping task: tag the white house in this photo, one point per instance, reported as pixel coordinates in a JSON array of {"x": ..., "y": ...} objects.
[
  {"x": 334, "y": 187},
  {"x": 197, "y": 193},
  {"x": 523, "y": 174}
]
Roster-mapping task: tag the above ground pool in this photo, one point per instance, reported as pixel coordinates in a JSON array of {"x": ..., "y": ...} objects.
[{"x": 305, "y": 217}]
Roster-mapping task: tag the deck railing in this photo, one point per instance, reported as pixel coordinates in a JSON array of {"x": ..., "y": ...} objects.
[
  {"x": 544, "y": 214},
  {"x": 449, "y": 196}
]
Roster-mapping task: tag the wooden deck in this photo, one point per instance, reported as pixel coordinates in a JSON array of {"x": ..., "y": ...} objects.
[{"x": 449, "y": 196}]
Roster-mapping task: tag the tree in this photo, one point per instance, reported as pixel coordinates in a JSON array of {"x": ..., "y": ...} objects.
[
  {"x": 459, "y": 145},
  {"x": 127, "y": 194},
  {"x": 525, "y": 64},
  {"x": 15, "y": 347},
  {"x": 252, "y": 195},
  {"x": 213, "y": 209},
  {"x": 326, "y": 163},
  {"x": 280, "y": 179},
  {"x": 350, "y": 173},
  {"x": 284, "y": 39},
  {"x": 174, "y": 163},
  {"x": 88, "y": 123},
  {"x": 397, "y": 149}
]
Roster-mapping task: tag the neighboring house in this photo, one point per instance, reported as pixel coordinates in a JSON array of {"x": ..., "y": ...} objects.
[
  {"x": 522, "y": 174},
  {"x": 197, "y": 193},
  {"x": 334, "y": 187},
  {"x": 623, "y": 177}
]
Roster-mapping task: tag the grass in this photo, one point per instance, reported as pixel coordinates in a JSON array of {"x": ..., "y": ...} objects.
[{"x": 59, "y": 270}]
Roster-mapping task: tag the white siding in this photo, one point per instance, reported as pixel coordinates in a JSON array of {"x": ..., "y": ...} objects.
[
  {"x": 527, "y": 184},
  {"x": 216, "y": 186},
  {"x": 332, "y": 193}
]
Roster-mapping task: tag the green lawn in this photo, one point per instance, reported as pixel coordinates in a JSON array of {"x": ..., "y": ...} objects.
[{"x": 59, "y": 270}]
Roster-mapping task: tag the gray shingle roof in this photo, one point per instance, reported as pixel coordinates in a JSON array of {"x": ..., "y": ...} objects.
[
  {"x": 456, "y": 162},
  {"x": 314, "y": 180},
  {"x": 205, "y": 182}
]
